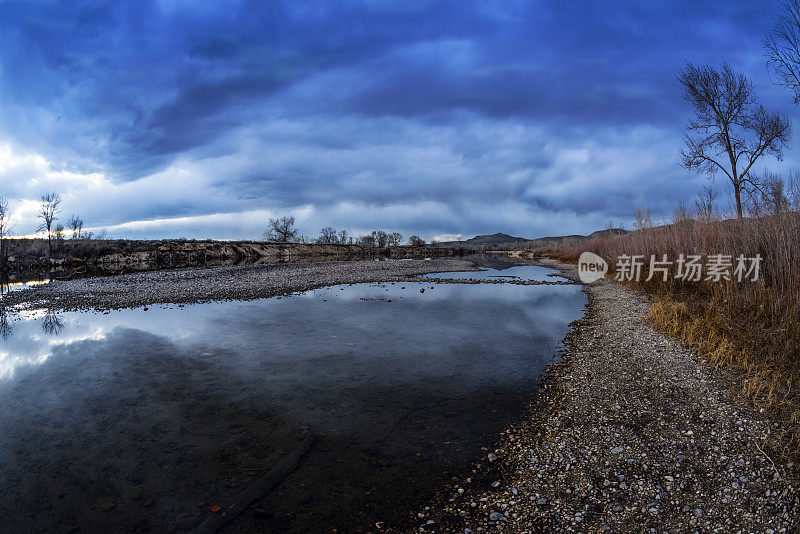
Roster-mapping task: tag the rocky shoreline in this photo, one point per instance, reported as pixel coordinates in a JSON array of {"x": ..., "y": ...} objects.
[
  {"x": 192, "y": 285},
  {"x": 631, "y": 433}
]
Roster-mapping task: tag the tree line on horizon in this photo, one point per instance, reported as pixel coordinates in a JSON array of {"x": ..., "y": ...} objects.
[
  {"x": 283, "y": 230},
  {"x": 279, "y": 230},
  {"x": 49, "y": 209},
  {"x": 729, "y": 133}
]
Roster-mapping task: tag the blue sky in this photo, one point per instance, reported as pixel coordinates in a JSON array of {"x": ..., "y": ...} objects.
[{"x": 179, "y": 118}]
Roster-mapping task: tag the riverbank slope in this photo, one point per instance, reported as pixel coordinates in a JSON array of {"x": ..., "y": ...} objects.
[{"x": 632, "y": 433}]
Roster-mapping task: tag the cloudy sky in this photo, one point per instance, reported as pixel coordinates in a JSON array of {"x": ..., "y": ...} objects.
[{"x": 181, "y": 118}]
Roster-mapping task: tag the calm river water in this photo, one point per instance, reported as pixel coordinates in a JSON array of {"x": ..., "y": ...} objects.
[{"x": 141, "y": 420}]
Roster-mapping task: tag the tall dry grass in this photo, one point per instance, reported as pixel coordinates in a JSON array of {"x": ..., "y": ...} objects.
[{"x": 750, "y": 326}]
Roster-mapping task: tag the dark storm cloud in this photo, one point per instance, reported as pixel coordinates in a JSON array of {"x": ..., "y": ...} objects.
[
  {"x": 561, "y": 108},
  {"x": 154, "y": 79}
]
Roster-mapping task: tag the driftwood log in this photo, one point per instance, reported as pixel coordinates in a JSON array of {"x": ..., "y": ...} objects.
[{"x": 257, "y": 491}]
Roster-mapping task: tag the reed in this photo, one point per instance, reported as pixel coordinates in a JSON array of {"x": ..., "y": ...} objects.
[{"x": 751, "y": 326}]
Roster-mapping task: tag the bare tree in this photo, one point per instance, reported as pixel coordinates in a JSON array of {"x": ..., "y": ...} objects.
[
  {"x": 75, "y": 224},
  {"x": 773, "y": 194},
  {"x": 328, "y": 236},
  {"x": 52, "y": 323},
  {"x": 643, "y": 218},
  {"x": 704, "y": 203},
  {"x": 380, "y": 238},
  {"x": 782, "y": 48},
  {"x": 343, "y": 237},
  {"x": 5, "y": 226},
  {"x": 59, "y": 235},
  {"x": 281, "y": 230},
  {"x": 794, "y": 190},
  {"x": 416, "y": 241},
  {"x": 395, "y": 238},
  {"x": 48, "y": 213},
  {"x": 731, "y": 130},
  {"x": 681, "y": 213},
  {"x": 5, "y": 325},
  {"x": 366, "y": 241}
]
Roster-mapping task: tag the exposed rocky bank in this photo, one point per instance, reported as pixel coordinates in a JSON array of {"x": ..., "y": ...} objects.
[
  {"x": 631, "y": 433},
  {"x": 218, "y": 283},
  {"x": 122, "y": 255}
]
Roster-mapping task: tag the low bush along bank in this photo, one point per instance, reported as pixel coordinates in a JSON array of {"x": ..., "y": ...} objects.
[{"x": 749, "y": 325}]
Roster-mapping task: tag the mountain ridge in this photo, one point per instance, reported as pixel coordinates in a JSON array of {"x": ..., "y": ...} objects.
[{"x": 501, "y": 240}]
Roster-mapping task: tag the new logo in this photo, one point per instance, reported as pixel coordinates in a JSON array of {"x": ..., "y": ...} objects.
[{"x": 591, "y": 267}]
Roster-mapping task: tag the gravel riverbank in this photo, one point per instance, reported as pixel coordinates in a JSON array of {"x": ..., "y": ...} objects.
[
  {"x": 631, "y": 433},
  {"x": 218, "y": 283}
]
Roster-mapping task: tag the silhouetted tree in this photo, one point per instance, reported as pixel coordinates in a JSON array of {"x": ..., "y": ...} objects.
[
  {"x": 782, "y": 48},
  {"x": 642, "y": 218},
  {"x": 52, "y": 324},
  {"x": 794, "y": 190},
  {"x": 328, "y": 236},
  {"x": 281, "y": 230},
  {"x": 704, "y": 203},
  {"x": 5, "y": 226},
  {"x": 59, "y": 235},
  {"x": 343, "y": 237},
  {"x": 366, "y": 241},
  {"x": 416, "y": 241},
  {"x": 5, "y": 326},
  {"x": 773, "y": 194},
  {"x": 48, "y": 214},
  {"x": 731, "y": 130},
  {"x": 380, "y": 238},
  {"x": 395, "y": 238},
  {"x": 75, "y": 224}
]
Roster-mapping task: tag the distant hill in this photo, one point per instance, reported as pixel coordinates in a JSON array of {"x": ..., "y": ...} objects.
[
  {"x": 500, "y": 241},
  {"x": 494, "y": 239}
]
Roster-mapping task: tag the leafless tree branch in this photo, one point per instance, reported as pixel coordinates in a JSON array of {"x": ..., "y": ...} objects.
[
  {"x": 782, "y": 48},
  {"x": 730, "y": 130},
  {"x": 281, "y": 230}
]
